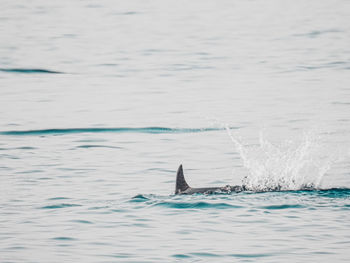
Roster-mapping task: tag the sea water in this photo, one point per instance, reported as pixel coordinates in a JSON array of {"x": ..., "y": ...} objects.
[{"x": 101, "y": 101}]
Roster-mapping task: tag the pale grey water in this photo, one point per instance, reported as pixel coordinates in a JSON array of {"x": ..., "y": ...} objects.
[{"x": 88, "y": 180}]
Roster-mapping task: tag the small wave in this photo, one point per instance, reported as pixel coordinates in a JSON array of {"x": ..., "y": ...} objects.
[
  {"x": 87, "y": 146},
  {"x": 332, "y": 192},
  {"x": 58, "y": 198},
  {"x": 211, "y": 255},
  {"x": 181, "y": 256},
  {"x": 278, "y": 207},
  {"x": 82, "y": 221},
  {"x": 149, "y": 130},
  {"x": 18, "y": 148},
  {"x": 322, "y": 192},
  {"x": 57, "y": 206},
  {"x": 30, "y": 71},
  {"x": 196, "y": 205},
  {"x": 64, "y": 238},
  {"x": 206, "y": 254},
  {"x": 317, "y": 33},
  {"x": 139, "y": 198}
]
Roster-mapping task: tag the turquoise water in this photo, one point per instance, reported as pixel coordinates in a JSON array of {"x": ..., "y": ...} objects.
[{"x": 101, "y": 101}]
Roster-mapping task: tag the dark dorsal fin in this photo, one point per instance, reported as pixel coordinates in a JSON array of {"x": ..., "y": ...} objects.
[{"x": 181, "y": 184}]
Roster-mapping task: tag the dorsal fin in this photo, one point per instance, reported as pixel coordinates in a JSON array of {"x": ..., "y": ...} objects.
[{"x": 181, "y": 184}]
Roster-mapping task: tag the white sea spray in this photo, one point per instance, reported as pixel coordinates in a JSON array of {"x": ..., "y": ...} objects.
[{"x": 290, "y": 165}]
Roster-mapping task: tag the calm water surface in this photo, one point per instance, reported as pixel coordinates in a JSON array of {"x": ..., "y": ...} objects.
[{"x": 100, "y": 101}]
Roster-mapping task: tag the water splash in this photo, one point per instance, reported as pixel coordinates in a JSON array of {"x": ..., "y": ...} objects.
[{"x": 290, "y": 165}]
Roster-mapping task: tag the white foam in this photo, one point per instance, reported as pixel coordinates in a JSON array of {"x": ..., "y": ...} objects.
[{"x": 291, "y": 165}]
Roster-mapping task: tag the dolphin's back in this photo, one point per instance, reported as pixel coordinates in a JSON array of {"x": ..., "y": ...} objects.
[{"x": 183, "y": 188}]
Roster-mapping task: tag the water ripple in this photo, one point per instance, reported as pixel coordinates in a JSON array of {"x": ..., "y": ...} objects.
[
  {"x": 87, "y": 146},
  {"x": 150, "y": 130},
  {"x": 30, "y": 71},
  {"x": 64, "y": 238},
  {"x": 286, "y": 206},
  {"x": 58, "y": 198},
  {"x": 82, "y": 221},
  {"x": 139, "y": 198},
  {"x": 57, "y": 206},
  {"x": 196, "y": 205}
]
